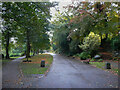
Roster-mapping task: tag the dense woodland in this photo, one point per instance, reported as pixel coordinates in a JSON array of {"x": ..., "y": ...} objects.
[
  {"x": 24, "y": 27},
  {"x": 86, "y": 28}
]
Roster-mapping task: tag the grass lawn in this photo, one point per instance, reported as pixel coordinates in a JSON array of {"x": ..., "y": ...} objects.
[
  {"x": 34, "y": 66},
  {"x": 4, "y": 61},
  {"x": 102, "y": 66},
  {"x": 14, "y": 57}
]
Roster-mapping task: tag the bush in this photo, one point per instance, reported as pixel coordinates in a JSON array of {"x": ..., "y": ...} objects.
[
  {"x": 116, "y": 58},
  {"x": 73, "y": 47},
  {"x": 116, "y": 43},
  {"x": 41, "y": 51},
  {"x": 92, "y": 59},
  {"x": 100, "y": 60},
  {"x": 84, "y": 55},
  {"x": 91, "y": 43},
  {"x": 14, "y": 55},
  {"x": 76, "y": 55}
]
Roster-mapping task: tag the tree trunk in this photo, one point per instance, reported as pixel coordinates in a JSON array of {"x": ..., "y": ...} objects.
[
  {"x": 28, "y": 46},
  {"x": 103, "y": 41},
  {"x": 33, "y": 53},
  {"x": 37, "y": 51},
  {"x": 7, "y": 45},
  {"x": 106, "y": 35}
]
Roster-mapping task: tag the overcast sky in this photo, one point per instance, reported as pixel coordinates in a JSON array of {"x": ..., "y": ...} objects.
[{"x": 61, "y": 4}]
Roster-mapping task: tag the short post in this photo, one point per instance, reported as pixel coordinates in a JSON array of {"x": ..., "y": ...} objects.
[
  {"x": 43, "y": 63},
  {"x": 108, "y": 65}
]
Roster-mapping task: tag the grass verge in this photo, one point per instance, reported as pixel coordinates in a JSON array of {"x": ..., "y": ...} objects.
[
  {"x": 14, "y": 57},
  {"x": 34, "y": 66},
  {"x": 102, "y": 66},
  {"x": 5, "y": 61}
]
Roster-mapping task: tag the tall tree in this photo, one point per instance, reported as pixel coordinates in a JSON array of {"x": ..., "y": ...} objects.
[
  {"x": 85, "y": 17},
  {"x": 28, "y": 20},
  {"x": 8, "y": 29}
]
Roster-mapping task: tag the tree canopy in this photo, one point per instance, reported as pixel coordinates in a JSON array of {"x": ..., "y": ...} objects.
[
  {"x": 27, "y": 23},
  {"x": 80, "y": 19}
]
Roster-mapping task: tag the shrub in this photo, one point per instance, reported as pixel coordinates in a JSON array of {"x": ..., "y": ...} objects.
[
  {"x": 73, "y": 47},
  {"x": 76, "y": 55},
  {"x": 41, "y": 51},
  {"x": 92, "y": 59},
  {"x": 84, "y": 55},
  {"x": 116, "y": 43},
  {"x": 100, "y": 60},
  {"x": 116, "y": 58},
  {"x": 91, "y": 43}
]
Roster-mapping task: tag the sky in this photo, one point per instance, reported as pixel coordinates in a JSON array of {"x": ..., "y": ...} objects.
[
  {"x": 61, "y": 4},
  {"x": 61, "y": 9}
]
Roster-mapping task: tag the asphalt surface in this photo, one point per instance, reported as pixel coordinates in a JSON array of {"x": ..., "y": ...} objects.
[
  {"x": 11, "y": 76},
  {"x": 64, "y": 73},
  {"x": 0, "y": 75},
  {"x": 70, "y": 73}
]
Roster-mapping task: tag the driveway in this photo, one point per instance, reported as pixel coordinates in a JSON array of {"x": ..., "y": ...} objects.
[{"x": 70, "y": 73}]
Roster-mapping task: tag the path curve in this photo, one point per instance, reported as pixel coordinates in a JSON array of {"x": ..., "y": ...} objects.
[
  {"x": 11, "y": 76},
  {"x": 70, "y": 73},
  {"x": 64, "y": 73}
]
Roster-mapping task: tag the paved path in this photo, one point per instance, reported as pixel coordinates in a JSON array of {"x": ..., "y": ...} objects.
[
  {"x": 0, "y": 75},
  {"x": 69, "y": 73},
  {"x": 11, "y": 76},
  {"x": 64, "y": 73}
]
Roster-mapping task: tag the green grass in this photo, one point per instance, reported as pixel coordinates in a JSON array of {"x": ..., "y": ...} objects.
[
  {"x": 15, "y": 57},
  {"x": 102, "y": 66},
  {"x": 98, "y": 64},
  {"x": 4, "y": 61},
  {"x": 34, "y": 66}
]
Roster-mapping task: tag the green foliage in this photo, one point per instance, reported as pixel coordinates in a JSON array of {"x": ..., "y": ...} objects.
[
  {"x": 92, "y": 60},
  {"x": 54, "y": 47},
  {"x": 91, "y": 42},
  {"x": 116, "y": 43},
  {"x": 76, "y": 55},
  {"x": 73, "y": 46},
  {"x": 41, "y": 51},
  {"x": 116, "y": 58},
  {"x": 27, "y": 23},
  {"x": 81, "y": 20},
  {"x": 60, "y": 40},
  {"x": 84, "y": 55},
  {"x": 100, "y": 60}
]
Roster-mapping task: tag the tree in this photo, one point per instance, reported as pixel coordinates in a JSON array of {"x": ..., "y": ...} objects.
[
  {"x": 60, "y": 33},
  {"x": 91, "y": 43},
  {"x": 82, "y": 18},
  {"x": 29, "y": 20},
  {"x": 8, "y": 29}
]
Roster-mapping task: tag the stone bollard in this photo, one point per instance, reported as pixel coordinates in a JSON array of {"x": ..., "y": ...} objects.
[
  {"x": 43, "y": 63},
  {"x": 108, "y": 65}
]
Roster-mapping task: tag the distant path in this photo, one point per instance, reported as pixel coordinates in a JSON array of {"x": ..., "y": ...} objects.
[
  {"x": 70, "y": 73},
  {"x": 11, "y": 74}
]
